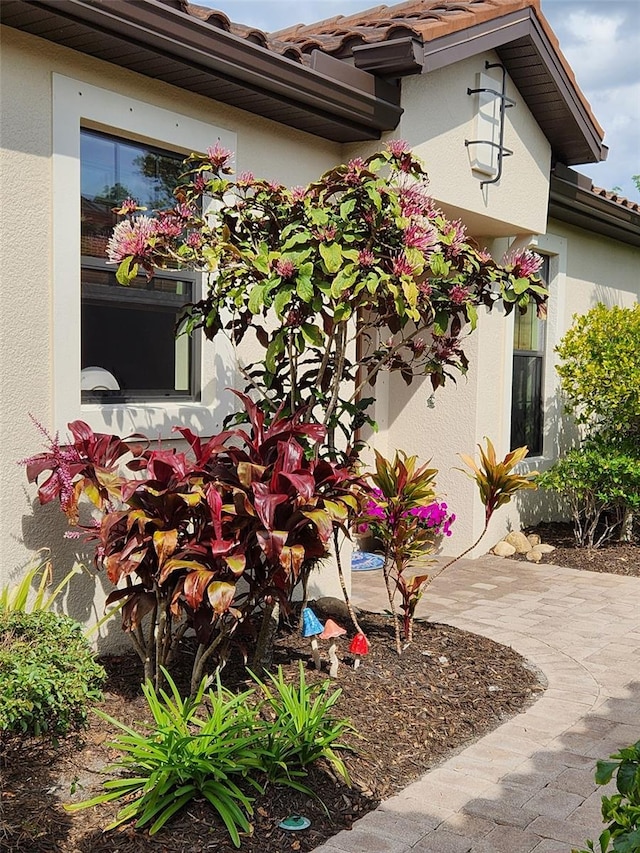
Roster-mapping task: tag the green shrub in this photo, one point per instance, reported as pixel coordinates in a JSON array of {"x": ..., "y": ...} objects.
[
  {"x": 600, "y": 480},
  {"x": 600, "y": 368},
  {"x": 621, "y": 811},
  {"x": 48, "y": 675}
]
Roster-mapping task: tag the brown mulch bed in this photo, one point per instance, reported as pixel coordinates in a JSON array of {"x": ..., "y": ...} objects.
[
  {"x": 618, "y": 558},
  {"x": 412, "y": 711}
]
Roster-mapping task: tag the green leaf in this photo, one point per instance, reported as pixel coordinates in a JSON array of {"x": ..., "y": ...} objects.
[
  {"x": 282, "y": 300},
  {"x": 256, "y": 298},
  {"x": 472, "y": 314},
  {"x": 343, "y": 280},
  {"x": 312, "y": 334},
  {"x": 441, "y": 323},
  {"x": 275, "y": 348},
  {"x": 347, "y": 207},
  {"x": 304, "y": 288},
  {"x": 126, "y": 271},
  {"x": 438, "y": 264},
  {"x": 520, "y": 285},
  {"x": 342, "y": 312},
  {"x": 331, "y": 255}
]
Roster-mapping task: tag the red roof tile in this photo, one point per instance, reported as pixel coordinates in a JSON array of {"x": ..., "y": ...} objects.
[
  {"x": 424, "y": 19},
  {"x": 620, "y": 200}
]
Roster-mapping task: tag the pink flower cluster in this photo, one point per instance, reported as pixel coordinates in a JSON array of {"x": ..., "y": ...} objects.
[
  {"x": 132, "y": 238},
  {"x": 525, "y": 263}
]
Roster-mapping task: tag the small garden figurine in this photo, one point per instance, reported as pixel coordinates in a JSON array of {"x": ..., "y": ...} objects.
[
  {"x": 331, "y": 632},
  {"x": 359, "y": 647},
  {"x": 312, "y": 627}
]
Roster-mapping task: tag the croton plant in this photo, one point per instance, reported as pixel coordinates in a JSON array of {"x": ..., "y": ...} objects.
[{"x": 201, "y": 539}]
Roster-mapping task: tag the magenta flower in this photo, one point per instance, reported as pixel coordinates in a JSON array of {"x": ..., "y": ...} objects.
[
  {"x": 132, "y": 238},
  {"x": 456, "y": 233},
  {"x": 298, "y": 193},
  {"x": 285, "y": 268},
  {"x": 219, "y": 157},
  {"x": 398, "y": 147},
  {"x": 168, "y": 224},
  {"x": 194, "y": 240},
  {"x": 423, "y": 239},
  {"x": 402, "y": 265},
  {"x": 524, "y": 262},
  {"x": 245, "y": 179},
  {"x": 425, "y": 288},
  {"x": 128, "y": 206},
  {"x": 458, "y": 294},
  {"x": 415, "y": 201},
  {"x": 366, "y": 258},
  {"x": 326, "y": 235},
  {"x": 199, "y": 184}
]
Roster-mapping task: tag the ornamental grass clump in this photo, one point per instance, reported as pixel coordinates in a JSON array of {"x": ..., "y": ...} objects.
[{"x": 220, "y": 747}]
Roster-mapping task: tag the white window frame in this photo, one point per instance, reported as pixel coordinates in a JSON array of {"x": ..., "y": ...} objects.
[
  {"x": 77, "y": 104},
  {"x": 555, "y": 248}
]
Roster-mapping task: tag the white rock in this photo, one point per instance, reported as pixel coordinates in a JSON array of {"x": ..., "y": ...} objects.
[
  {"x": 534, "y": 539},
  {"x": 519, "y": 541},
  {"x": 534, "y": 556},
  {"x": 503, "y": 549},
  {"x": 544, "y": 549}
]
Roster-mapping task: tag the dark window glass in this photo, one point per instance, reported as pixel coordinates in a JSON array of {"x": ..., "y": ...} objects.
[
  {"x": 129, "y": 350},
  {"x": 527, "y": 422}
]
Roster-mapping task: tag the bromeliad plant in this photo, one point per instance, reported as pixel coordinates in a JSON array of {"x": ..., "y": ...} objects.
[
  {"x": 401, "y": 506},
  {"x": 359, "y": 262},
  {"x": 402, "y": 510},
  {"x": 177, "y": 532}
]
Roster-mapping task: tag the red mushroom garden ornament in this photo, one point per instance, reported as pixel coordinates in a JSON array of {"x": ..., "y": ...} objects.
[
  {"x": 331, "y": 632},
  {"x": 312, "y": 627},
  {"x": 359, "y": 647}
]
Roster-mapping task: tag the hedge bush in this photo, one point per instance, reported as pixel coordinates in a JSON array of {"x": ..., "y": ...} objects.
[{"x": 48, "y": 675}]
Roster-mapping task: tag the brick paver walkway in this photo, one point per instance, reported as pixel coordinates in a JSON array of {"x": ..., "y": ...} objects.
[{"x": 527, "y": 786}]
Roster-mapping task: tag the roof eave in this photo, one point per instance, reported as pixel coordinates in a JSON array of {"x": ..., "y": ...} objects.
[
  {"x": 572, "y": 200},
  {"x": 516, "y": 28},
  {"x": 341, "y": 106}
]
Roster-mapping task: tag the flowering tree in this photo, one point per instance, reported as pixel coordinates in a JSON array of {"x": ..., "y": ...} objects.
[{"x": 356, "y": 273}]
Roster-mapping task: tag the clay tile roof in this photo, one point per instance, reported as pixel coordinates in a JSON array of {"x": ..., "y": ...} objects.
[
  {"x": 609, "y": 195},
  {"x": 426, "y": 20}
]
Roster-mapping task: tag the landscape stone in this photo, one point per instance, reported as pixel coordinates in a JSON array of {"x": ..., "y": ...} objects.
[
  {"x": 543, "y": 548},
  {"x": 519, "y": 541},
  {"x": 503, "y": 549},
  {"x": 534, "y": 539},
  {"x": 534, "y": 556}
]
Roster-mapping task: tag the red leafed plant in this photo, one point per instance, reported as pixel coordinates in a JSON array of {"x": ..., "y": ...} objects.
[{"x": 207, "y": 539}]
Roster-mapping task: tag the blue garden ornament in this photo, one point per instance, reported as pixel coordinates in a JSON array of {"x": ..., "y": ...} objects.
[{"x": 311, "y": 627}]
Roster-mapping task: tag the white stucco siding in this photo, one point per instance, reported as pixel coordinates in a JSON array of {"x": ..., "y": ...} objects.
[
  {"x": 439, "y": 116},
  {"x": 27, "y": 251}
]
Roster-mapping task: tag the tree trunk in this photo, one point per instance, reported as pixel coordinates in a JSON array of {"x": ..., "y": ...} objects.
[{"x": 263, "y": 656}]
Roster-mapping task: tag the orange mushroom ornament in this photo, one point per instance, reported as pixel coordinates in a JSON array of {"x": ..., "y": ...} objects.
[{"x": 331, "y": 632}]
